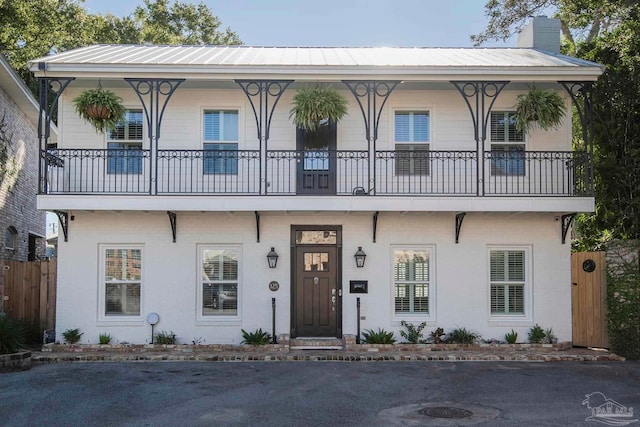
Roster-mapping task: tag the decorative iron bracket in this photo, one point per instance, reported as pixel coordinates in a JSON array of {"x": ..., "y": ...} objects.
[
  {"x": 46, "y": 87},
  {"x": 480, "y": 97},
  {"x": 371, "y": 97},
  {"x": 63, "y": 217},
  {"x": 173, "y": 221},
  {"x": 154, "y": 94},
  {"x": 375, "y": 225},
  {"x": 263, "y": 96},
  {"x": 577, "y": 90},
  {"x": 459, "y": 218},
  {"x": 566, "y": 224},
  {"x": 257, "y": 214}
]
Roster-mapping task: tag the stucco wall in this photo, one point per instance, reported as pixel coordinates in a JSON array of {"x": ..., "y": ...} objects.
[
  {"x": 18, "y": 191},
  {"x": 460, "y": 271}
]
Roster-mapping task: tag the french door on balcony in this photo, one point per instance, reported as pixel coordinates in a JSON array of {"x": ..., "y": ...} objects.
[{"x": 317, "y": 162}]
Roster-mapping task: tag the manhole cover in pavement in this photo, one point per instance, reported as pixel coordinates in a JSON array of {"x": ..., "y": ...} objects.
[
  {"x": 445, "y": 412},
  {"x": 441, "y": 414}
]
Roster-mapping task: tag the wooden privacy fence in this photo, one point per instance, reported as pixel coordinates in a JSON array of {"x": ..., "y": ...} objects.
[{"x": 28, "y": 291}]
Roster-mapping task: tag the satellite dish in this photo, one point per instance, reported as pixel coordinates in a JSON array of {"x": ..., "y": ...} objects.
[{"x": 153, "y": 319}]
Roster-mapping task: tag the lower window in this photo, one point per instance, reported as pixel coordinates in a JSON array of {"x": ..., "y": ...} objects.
[
  {"x": 122, "y": 281},
  {"x": 221, "y": 159},
  {"x": 219, "y": 281},
  {"x": 412, "y": 159},
  {"x": 412, "y": 281},
  {"x": 508, "y": 281}
]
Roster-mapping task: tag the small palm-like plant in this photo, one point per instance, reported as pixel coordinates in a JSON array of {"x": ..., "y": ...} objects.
[
  {"x": 462, "y": 336},
  {"x": 11, "y": 335},
  {"x": 259, "y": 337},
  {"x": 511, "y": 337},
  {"x": 537, "y": 335},
  {"x": 543, "y": 106},
  {"x": 101, "y": 108},
  {"x": 72, "y": 336},
  {"x": 437, "y": 336},
  {"x": 378, "y": 337},
  {"x": 166, "y": 338},
  {"x": 316, "y": 106},
  {"x": 105, "y": 338},
  {"x": 413, "y": 333}
]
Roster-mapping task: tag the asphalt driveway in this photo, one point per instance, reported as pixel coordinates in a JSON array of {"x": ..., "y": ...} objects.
[{"x": 315, "y": 393}]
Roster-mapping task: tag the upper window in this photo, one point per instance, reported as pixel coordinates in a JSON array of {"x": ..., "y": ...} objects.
[
  {"x": 507, "y": 157},
  {"x": 508, "y": 281},
  {"x": 219, "y": 281},
  {"x": 412, "y": 134},
  {"x": 412, "y": 281},
  {"x": 10, "y": 238},
  {"x": 125, "y": 145},
  {"x": 220, "y": 135},
  {"x": 122, "y": 281}
]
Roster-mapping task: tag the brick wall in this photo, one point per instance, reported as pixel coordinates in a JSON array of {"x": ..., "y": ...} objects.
[{"x": 18, "y": 193}]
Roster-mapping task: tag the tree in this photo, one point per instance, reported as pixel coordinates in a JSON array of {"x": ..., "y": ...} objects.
[
  {"x": 36, "y": 28},
  {"x": 580, "y": 20}
]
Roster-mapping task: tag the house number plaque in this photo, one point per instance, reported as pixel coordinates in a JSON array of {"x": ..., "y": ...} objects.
[{"x": 274, "y": 286}]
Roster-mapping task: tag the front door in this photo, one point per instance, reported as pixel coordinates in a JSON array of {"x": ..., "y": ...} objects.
[
  {"x": 317, "y": 162},
  {"x": 316, "y": 289}
]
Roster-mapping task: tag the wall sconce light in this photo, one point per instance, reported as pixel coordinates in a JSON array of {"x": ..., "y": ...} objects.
[
  {"x": 360, "y": 257},
  {"x": 272, "y": 258}
]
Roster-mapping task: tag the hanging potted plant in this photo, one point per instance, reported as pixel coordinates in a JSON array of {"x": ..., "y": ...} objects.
[
  {"x": 316, "y": 106},
  {"x": 103, "y": 109},
  {"x": 542, "y": 106}
]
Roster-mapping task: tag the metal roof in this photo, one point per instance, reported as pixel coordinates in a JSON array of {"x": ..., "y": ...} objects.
[{"x": 145, "y": 58}]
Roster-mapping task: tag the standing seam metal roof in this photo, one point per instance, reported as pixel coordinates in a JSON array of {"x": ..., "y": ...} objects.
[{"x": 239, "y": 56}]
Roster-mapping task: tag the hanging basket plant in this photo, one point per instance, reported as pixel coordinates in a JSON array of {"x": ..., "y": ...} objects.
[
  {"x": 542, "y": 106},
  {"x": 101, "y": 108},
  {"x": 316, "y": 106}
]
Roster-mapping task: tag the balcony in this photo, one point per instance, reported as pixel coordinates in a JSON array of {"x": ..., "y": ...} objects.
[{"x": 455, "y": 173}]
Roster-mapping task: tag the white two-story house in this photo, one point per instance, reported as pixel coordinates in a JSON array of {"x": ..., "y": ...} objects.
[{"x": 463, "y": 220}]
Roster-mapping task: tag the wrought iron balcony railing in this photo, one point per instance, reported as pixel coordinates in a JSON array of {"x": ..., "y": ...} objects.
[{"x": 291, "y": 172}]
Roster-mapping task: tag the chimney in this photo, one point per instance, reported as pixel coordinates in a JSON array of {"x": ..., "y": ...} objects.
[{"x": 542, "y": 33}]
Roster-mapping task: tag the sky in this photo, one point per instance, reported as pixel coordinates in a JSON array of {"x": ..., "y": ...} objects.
[{"x": 352, "y": 23}]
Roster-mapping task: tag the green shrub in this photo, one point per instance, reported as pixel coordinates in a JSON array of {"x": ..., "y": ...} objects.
[
  {"x": 623, "y": 300},
  {"x": 11, "y": 335},
  {"x": 259, "y": 337},
  {"x": 511, "y": 337},
  {"x": 437, "y": 336},
  {"x": 537, "y": 335},
  {"x": 164, "y": 337},
  {"x": 378, "y": 337},
  {"x": 413, "y": 334},
  {"x": 72, "y": 336},
  {"x": 105, "y": 338},
  {"x": 462, "y": 336}
]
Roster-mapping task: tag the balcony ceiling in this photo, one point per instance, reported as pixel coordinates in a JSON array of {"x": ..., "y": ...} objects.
[{"x": 309, "y": 63}]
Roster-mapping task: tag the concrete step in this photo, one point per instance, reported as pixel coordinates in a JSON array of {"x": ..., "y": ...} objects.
[{"x": 315, "y": 343}]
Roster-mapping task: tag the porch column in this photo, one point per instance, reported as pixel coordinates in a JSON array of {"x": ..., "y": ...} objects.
[
  {"x": 263, "y": 96},
  {"x": 582, "y": 91},
  {"x": 371, "y": 97},
  {"x": 47, "y": 86},
  {"x": 480, "y": 97},
  {"x": 154, "y": 94}
]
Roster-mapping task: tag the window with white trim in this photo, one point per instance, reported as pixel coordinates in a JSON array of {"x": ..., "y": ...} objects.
[
  {"x": 220, "y": 142},
  {"x": 219, "y": 281},
  {"x": 412, "y": 281},
  {"x": 10, "y": 238},
  {"x": 507, "y": 145},
  {"x": 412, "y": 136},
  {"x": 508, "y": 277},
  {"x": 122, "y": 270},
  {"x": 125, "y": 145}
]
